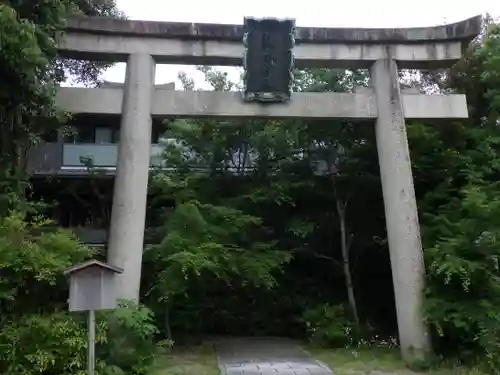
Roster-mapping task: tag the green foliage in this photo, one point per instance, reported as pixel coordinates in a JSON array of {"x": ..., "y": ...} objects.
[
  {"x": 129, "y": 344},
  {"x": 32, "y": 261},
  {"x": 44, "y": 344},
  {"x": 457, "y": 168},
  {"x": 23, "y": 60},
  {"x": 463, "y": 274},
  {"x": 329, "y": 325},
  {"x": 489, "y": 56},
  {"x": 27, "y": 85},
  {"x": 56, "y": 343},
  {"x": 206, "y": 239}
]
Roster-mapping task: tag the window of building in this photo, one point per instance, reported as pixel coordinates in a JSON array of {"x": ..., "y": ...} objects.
[{"x": 103, "y": 135}]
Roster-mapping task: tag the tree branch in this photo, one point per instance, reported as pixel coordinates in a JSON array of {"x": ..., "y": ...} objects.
[{"x": 320, "y": 256}]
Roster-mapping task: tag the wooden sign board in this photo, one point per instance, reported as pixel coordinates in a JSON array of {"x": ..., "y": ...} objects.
[{"x": 92, "y": 286}]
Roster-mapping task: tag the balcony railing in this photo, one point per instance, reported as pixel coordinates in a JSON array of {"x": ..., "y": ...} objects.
[
  {"x": 87, "y": 235},
  {"x": 91, "y": 236},
  {"x": 71, "y": 158},
  {"x": 100, "y": 155}
]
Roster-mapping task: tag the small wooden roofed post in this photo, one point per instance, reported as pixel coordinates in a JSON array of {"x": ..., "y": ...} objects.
[
  {"x": 92, "y": 286},
  {"x": 92, "y": 263}
]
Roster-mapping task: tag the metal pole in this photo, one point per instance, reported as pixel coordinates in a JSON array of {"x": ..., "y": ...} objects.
[{"x": 91, "y": 343}]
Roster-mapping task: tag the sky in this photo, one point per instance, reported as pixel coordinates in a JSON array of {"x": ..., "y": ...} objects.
[{"x": 320, "y": 13}]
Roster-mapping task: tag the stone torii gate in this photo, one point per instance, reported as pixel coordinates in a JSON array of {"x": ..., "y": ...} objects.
[{"x": 141, "y": 44}]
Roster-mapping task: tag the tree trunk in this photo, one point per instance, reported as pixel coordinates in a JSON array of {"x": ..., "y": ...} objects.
[
  {"x": 167, "y": 323},
  {"x": 345, "y": 261}
]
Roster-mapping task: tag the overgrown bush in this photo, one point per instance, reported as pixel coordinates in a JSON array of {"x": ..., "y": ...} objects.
[
  {"x": 32, "y": 261},
  {"x": 45, "y": 344},
  {"x": 463, "y": 295},
  {"x": 129, "y": 344},
  {"x": 56, "y": 344},
  {"x": 330, "y": 325}
]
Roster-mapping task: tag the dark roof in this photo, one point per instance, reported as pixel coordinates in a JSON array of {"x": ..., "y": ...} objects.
[
  {"x": 464, "y": 30},
  {"x": 92, "y": 263}
]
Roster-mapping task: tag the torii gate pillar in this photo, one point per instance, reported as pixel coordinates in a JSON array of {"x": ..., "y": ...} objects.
[{"x": 401, "y": 214}]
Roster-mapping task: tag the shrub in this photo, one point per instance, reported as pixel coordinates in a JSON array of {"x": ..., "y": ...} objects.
[
  {"x": 329, "y": 325},
  {"x": 56, "y": 344},
  {"x": 129, "y": 343}
]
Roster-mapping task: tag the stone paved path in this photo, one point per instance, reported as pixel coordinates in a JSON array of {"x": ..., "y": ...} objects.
[{"x": 265, "y": 356}]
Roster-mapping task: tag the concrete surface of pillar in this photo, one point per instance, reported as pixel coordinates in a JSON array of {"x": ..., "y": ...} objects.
[
  {"x": 128, "y": 215},
  {"x": 401, "y": 213}
]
